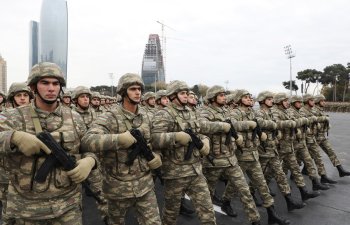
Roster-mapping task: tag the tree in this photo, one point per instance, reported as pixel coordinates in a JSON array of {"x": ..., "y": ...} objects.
[
  {"x": 294, "y": 85},
  {"x": 337, "y": 76},
  {"x": 309, "y": 76}
]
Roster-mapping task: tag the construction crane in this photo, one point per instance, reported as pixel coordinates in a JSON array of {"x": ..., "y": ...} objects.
[{"x": 163, "y": 47}]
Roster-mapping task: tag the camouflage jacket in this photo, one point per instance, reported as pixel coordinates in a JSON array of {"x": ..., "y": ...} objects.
[
  {"x": 266, "y": 121},
  {"x": 308, "y": 112},
  {"x": 121, "y": 181},
  {"x": 284, "y": 125},
  {"x": 58, "y": 194},
  {"x": 249, "y": 149},
  {"x": 88, "y": 115},
  {"x": 323, "y": 120},
  {"x": 302, "y": 128},
  {"x": 150, "y": 112},
  {"x": 98, "y": 111},
  {"x": 165, "y": 124},
  {"x": 224, "y": 155}
]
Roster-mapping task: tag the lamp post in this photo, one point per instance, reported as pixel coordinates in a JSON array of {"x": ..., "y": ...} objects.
[
  {"x": 111, "y": 76},
  {"x": 289, "y": 53}
]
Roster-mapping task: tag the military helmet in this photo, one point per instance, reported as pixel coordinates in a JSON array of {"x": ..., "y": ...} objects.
[
  {"x": 18, "y": 87},
  {"x": 308, "y": 97},
  {"x": 239, "y": 94},
  {"x": 176, "y": 86},
  {"x": 45, "y": 69},
  {"x": 160, "y": 94},
  {"x": 214, "y": 90},
  {"x": 80, "y": 90},
  {"x": 279, "y": 97},
  {"x": 127, "y": 80},
  {"x": 149, "y": 95},
  {"x": 319, "y": 98},
  {"x": 296, "y": 98},
  {"x": 264, "y": 95},
  {"x": 95, "y": 94},
  {"x": 67, "y": 94}
]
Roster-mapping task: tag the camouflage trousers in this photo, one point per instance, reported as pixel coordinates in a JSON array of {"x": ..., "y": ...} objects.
[
  {"x": 317, "y": 157},
  {"x": 256, "y": 176},
  {"x": 146, "y": 209},
  {"x": 272, "y": 168},
  {"x": 327, "y": 148},
  {"x": 197, "y": 189},
  {"x": 73, "y": 216},
  {"x": 3, "y": 192},
  {"x": 303, "y": 155},
  {"x": 290, "y": 162},
  {"x": 95, "y": 180},
  {"x": 236, "y": 179}
]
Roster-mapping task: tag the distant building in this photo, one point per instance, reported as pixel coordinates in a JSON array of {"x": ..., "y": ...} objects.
[
  {"x": 152, "y": 63},
  {"x": 49, "y": 38},
  {"x": 3, "y": 75}
]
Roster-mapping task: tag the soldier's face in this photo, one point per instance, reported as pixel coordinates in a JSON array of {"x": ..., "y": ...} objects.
[
  {"x": 311, "y": 102},
  {"x": 152, "y": 101},
  {"x": 164, "y": 100},
  {"x": 183, "y": 97},
  {"x": 246, "y": 100},
  {"x": 102, "y": 102},
  {"x": 66, "y": 100},
  {"x": 22, "y": 98},
  {"x": 134, "y": 93},
  {"x": 221, "y": 99},
  {"x": 192, "y": 99},
  {"x": 322, "y": 103},
  {"x": 95, "y": 101},
  {"x": 49, "y": 88},
  {"x": 297, "y": 105},
  {"x": 285, "y": 103},
  {"x": 269, "y": 102},
  {"x": 84, "y": 100}
]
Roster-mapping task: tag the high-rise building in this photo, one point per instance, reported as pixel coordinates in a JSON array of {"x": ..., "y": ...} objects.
[
  {"x": 152, "y": 63},
  {"x": 3, "y": 75},
  {"x": 51, "y": 35}
]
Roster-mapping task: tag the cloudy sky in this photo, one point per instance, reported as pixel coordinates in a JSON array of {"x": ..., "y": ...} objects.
[{"x": 240, "y": 41}]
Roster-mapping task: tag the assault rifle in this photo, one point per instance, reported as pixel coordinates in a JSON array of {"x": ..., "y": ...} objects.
[
  {"x": 231, "y": 134},
  {"x": 195, "y": 143},
  {"x": 57, "y": 157},
  {"x": 140, "y": 148}
]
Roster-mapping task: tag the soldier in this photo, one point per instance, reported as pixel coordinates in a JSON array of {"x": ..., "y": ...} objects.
[
  {"x": 312, "y": 146},
  {"x": 58, "y": 199},
  {"x": 19, "y": 94},
  {"x": 268, "y": 154},
  {"x": 149, "y": 104},
  {"x": 67, "y": 99},
  {"x": 322, "y": 139},
  {"x": 2, "y": 101},
  {"x": 96, "y": 102},
  {"x": 222, "y": 160},
  {"x": 299, "y": 144},
  {"x": 180, "y": 175},
  {"x": 125, "y": 185},
  {"x": 286, "y": 126},
  {"x": 161, "y": 99},
  {"x": 192, "y": 101},
  {"x": 247, "y": 153}
]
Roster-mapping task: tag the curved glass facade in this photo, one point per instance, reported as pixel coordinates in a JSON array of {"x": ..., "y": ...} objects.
[{"x": 53, "y": 33}]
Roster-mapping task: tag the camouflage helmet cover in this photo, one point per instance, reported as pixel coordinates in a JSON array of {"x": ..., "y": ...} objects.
[
  {"x": 264, "y": 95},
  {"x": 239, "y": 94},
  {"x": 319, "y": 98},
  {"x": 308, "y": 97},
  {"x": 149, "y": 95},
  {"x": 176, "y": 86},
  {"x": 19, "y": 87},
  {"x": 95, "y": 94},
  {"x": 279, "y": 97},
  {"x": 127, "y": 80},
  {"x": 160, "y": 94},
  {"x": 80, "y": 90},
  {"x": 214, "y": 90},
  {"x": 45, "y": 69},
  {"x": 67, "y": 94},
  {"x": 296, "y": 98}
]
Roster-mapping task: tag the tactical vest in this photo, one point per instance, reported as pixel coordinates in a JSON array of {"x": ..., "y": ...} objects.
[
  {"x": 115, "y": 161},
  {"x": 23, "y": 168}
]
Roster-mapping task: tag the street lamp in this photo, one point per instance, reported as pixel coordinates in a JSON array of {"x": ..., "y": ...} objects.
[
  {"x": 111, "y": 76},
  {"x": 289, "y": 53}
]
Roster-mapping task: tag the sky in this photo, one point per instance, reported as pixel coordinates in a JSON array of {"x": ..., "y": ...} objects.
[{"x": 233, "y": 43}]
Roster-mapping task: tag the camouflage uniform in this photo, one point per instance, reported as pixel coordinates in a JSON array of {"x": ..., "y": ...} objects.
[
  {"x": 180, "y": 175},
  {"x": 124, "y": 186},
  {"x": 97, "y": 109},
  {"x": 58, "y": 199},
  {"x": 3, "y": 103},
  {"x": 149, "y": 109},
  {"x": 16, "y": 88},
  {"x": 224, "y": 158}
]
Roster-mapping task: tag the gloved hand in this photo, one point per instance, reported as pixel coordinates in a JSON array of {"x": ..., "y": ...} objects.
[
  {"x": 274, "y": 126},
  {"x": 251, "y": 124},
  {"x": 312, "y": 119},
  {"x": 28, "y": 144},
  {"x": 279, "y": 135},
  {"x": 206, "y": 147},
  {"x": 308, "y": 131},
  {"x": 322, "y": 119},
  {"x": 226, "y": 127},
  {"x": 301, "y": 121},
  {"x": 292, "y": 124},
  {"x": 318, "y": 126},
  {"x": 298, "y": 133},
  {"x": 263, "y": 136},
  {"x": 239, "y": 140},
  {"x": 82, "y": 170},
  {"x": 125, "y": 140},
  {"x": 155, "y": 163},
  {"x": 182, "y": 137}
]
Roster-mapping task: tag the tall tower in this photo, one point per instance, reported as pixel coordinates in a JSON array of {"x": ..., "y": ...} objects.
[
  {"x": 3, "y": 75},
  {"x": 33, "y": 44},
  {"x": 152, "y": 63}
]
